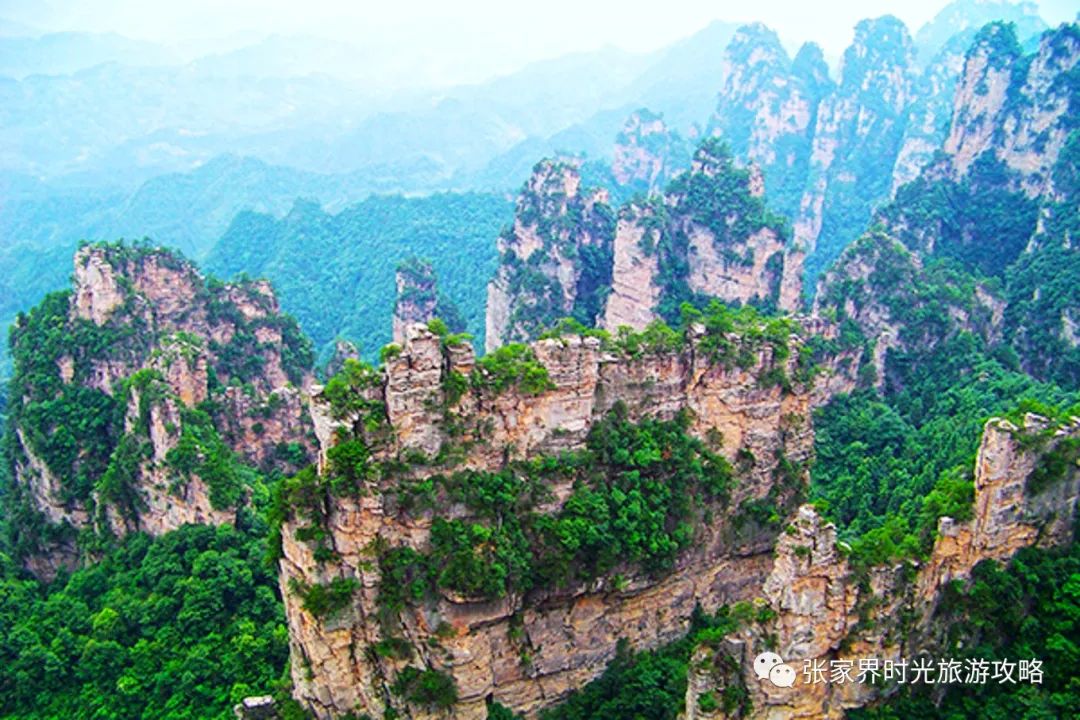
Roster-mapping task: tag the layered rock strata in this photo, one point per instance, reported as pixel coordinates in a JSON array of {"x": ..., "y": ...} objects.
[
  {"x": 168, "y": 369},
  {"x": 821, "y": 613},
  {"x": 567, "y": 634},
  {"x": 554, "y": 259}
]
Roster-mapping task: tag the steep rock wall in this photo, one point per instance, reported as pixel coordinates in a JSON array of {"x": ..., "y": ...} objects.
[
  {"x": 554, "y": 257},
  {"x": 823, "y": 614},
  {"x": 148, "y": 363},
  {"x": 880, "y": 286},
  {"x": 864, "y": 116},
  {"x": 767, "y": 109},
  {"x": 1015, "y": 106},
  {"x": 710, "y": 235},
  {"x": 647, "y": 154},
  {"x": 417, "y": 296},
  {"x": 529, "y": 652}
]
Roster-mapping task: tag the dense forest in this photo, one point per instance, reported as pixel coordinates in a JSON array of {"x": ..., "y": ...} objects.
[
  {"x": 953, "y": 282},
  {"x": 335, "y": 272}
]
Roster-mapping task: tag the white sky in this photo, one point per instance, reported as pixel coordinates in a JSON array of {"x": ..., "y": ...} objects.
[{"x": 504, "y": 33}]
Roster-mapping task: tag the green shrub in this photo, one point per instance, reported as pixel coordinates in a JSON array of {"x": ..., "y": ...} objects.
[
  {"x": 509, "y": 366},
  {"x": 324, "y": 600},
  {"x": 349, "y": 391},
  {"x": 428, "y": 687}
]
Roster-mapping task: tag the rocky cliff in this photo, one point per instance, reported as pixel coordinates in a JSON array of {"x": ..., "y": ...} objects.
[
  {"x": 647, "y": 154},
  {"x": 999, "y": 199},
  {"x": 900, "y": 306},
  {"x": 554, "y": 260},
  {"x": 828, "y": 154},
  {"x": 1014, "y": 105},
  {"x": 827, "y": 610},
  {"x": 635, "y": 285},
  {"x": 1010, "y": 121},
  {"x": 417, "y": 296},
  {"x": 139, "y": 396},
  {"x": 941, "y": 46},
  {"x": 858, "y": 135},
  {"x": 420, "y": 448},
  {"x": 928, "y": 116},
  {"x": 710, "y": 235},
  {"x": 767, "y": 109},
  {"x": 832, "y": 152}
]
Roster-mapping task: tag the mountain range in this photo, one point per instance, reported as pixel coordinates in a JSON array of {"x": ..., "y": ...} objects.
[{"x": 782, "y": 372}]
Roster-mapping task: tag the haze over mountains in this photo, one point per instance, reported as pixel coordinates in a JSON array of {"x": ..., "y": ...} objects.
[
  {"x": 554, "y": 396},
  {"x": 106, "y": 137}
]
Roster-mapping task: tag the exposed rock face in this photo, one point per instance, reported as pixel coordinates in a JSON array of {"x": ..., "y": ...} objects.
[
  {"x": 767, "y": 108},
  {"x": 941, "y": 46},
  {"x": 568, "y": 634},
  {"x": 811, "y": 137},
  {"x": 1022, "y": 117},
  {"x": 878, "y": 282},
  {"x": 863, "y": 117},
  {"x": 634, "y": 293},
  {"x": 712, "y": 232},
  {"x": 417, "y": 298},
  {"x": 998, "y": 197},
  {"x": 818, "y": 604},
  {"x": 1009, "y": 125},
  {"x": 96, "y": 293},
  {"x": 928, "y": 117},
  {"x": 1008, "y": 515},
  {"x": 647, "y": 154},
  {"x": 260, "y": 707},
  {"x": 148, "y": 336},
  {"x": 554, "y": 259},
  {"x": 716, "y": 275},
  {"x": 165, "y": 499}
]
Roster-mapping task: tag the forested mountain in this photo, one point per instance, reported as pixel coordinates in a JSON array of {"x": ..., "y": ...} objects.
[
  {"x": 42, "y": 224},
  {"x": 766, "y": 355},
  {"x": 186, "y": 113},
  {"x": 964, "y": 18},
  {"x": 738, "y": 83},
  {"x": 335, "y": 272}
]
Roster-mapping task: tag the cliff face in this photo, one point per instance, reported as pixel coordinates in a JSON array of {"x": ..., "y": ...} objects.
[
  {"x": 647, "y": 154},
  {"x": 767, "y": 109},
  {"x": 827, "y": 155},
  {"x": 528, "y": 649},
  {"x": 928, "y": 116},
  {"x": 884, "y": 289},
  {"x": 710, "y": 235},
  {"x": 830, "y": 153},
  {"x": 1010, "y": 122},
  {"x": 554, "y": 259},
  {"x": 863, "y": 118},
  {"x": 635, "y": 293},
  {"x": 759, "y": 266},
  {"x": 158, "y": 377},
  {"x": 823, "y": 614},
  {"x": 417, "y": 297},
  {"x": 1014, "y": 106},
  {"x": 999, "y": 198}
]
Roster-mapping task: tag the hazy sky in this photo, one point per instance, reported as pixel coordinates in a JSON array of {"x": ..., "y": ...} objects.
[{"x": 497, "y": 34}]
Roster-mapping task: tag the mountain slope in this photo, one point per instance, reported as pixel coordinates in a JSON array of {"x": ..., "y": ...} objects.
[{"x": 335, "y": 273}]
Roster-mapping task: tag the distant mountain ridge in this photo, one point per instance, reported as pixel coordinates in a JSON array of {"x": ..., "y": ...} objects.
[
  {"x": 336, "y": 272},
  {"x": 827, "y": 173}
]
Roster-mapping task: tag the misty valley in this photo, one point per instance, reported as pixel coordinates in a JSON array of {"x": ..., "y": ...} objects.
[{"x": 366, "y": 378}]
